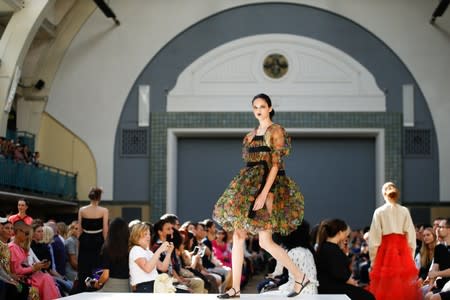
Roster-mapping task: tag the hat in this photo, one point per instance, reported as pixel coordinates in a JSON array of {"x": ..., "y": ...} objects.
[{"x": 3, "y": 220}]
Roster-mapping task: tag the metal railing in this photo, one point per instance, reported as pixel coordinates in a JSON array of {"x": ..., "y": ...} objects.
[{"x": 44, "y": 180}]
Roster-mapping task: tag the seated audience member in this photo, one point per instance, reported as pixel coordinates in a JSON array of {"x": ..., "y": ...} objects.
[
  {"x": 42, "y": 249},
  {"x": 439, "y": 274},
  {"x": 115, "y": 266},
  {"x": 22, "y": 206},
  {"x": 333, "y": 266},
  {"x": 206, "y": 232},
  {"x": 19, "y": 253},
  {"x": 71, "y": 245},
  {"x": 425, "y": 256},
  {"x": 164, "y": 231},
  {"x": 192, "y": 261},
  {"x": 143, "y": 262},
  {"x": 193, "y": 282},
  {"x": 11, "y": 286},
  {"x": 221, "y": 248},
  {"x": 301, "y": 252},
  {"x": 59, "y": 251}
]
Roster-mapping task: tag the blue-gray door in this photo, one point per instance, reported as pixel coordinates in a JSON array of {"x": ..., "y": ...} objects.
[{"x": 336, "y": 176}]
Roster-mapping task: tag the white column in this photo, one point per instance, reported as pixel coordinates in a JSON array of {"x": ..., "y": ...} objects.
[{"x": 14, "y": 46}]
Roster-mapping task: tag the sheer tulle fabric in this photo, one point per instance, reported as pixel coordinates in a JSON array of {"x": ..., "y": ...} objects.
[
  {"x": 231, "y": 210},
  {"x": 394, "y": 273}
]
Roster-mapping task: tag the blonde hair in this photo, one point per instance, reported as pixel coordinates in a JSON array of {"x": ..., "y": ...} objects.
[
  {"x": 62, "y": 229},
  {"x": 427, "y": 254},
  {"x": 137, "y": 232},
  {"x": 72, "y": 227},
  {"x": 49, "y": 233},
  {"x": 395, "y": 195}
]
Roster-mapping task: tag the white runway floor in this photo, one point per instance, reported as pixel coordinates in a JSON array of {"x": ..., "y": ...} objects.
[{"x": 135, "y": 296}]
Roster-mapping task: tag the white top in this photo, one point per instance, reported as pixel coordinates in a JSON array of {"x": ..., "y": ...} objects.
[
  {"x": 304, "y": 260},
  {"x": 137, "y": 275},
  {"x": 387, "y": 219}
]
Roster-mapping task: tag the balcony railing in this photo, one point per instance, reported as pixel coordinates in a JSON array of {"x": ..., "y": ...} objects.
[{"x": 44, "y": 180}]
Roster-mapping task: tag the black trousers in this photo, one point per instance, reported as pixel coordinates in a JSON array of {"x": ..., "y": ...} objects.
[{"x": 145, "y": 287}]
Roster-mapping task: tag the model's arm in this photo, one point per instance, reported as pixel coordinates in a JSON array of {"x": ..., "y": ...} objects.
[
  {"x": 375, "y": 234},
  {"x": 105, "y": 223},
  {"x": 411, "y": 232},
  {"x": 80, "y": 211}
]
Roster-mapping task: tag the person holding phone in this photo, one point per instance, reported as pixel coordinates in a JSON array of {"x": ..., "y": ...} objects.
[{"x": 19, "y": 253}]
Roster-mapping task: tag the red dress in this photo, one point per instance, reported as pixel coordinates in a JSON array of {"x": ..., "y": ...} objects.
[{"x": 394, "y": 273}]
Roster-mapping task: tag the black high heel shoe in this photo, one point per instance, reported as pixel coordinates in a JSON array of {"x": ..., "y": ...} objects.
[
  {"x": 303, "y": 284},
  {"x": 236, "y": 294}
]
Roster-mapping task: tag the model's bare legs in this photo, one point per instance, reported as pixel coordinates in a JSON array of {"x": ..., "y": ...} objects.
[
  {"x": 237, "y": 259},
  {"x": 266, "y": 242}
]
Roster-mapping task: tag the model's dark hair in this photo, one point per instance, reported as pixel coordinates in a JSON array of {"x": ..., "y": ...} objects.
[
  {"x": 329, "y": 228},
  {"x": 95, "y": 193},
  {"x": 268, "y": 101},
  {"x": 116, "y": 243},
  {"x": 299, "y": 238},
  {"x": 27, "y": 203}
]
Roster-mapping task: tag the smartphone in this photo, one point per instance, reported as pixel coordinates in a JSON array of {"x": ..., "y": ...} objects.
[
  {"x": 196, "y": 249},
  {"x": 44, "y": 261},
  {"x": 169, "y": 238}
]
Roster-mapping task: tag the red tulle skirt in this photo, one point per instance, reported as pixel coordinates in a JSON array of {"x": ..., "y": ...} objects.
[{"x": 394, "y": 273}]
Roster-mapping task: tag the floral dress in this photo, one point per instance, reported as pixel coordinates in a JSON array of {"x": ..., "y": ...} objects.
[{"x": 233, "y": 210}]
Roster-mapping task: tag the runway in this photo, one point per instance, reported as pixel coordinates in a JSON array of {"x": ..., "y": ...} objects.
[{"x": 135, "y": 296}]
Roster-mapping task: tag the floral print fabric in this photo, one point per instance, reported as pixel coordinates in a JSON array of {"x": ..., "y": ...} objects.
[{"x": 231, "y": 210}]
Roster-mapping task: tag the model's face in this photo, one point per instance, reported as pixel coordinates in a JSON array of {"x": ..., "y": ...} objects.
[
  {"x": 261, "y": 109},
  {"x": 427, "y": 237},
  {"x": 22, "y": 206}
]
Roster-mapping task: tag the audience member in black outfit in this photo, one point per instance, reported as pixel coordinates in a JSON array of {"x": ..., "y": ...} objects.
[
  {"x": 116, "y": 272},
  {"x": 439, "y": 274},
  {"x": 333, "y": 266}
]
